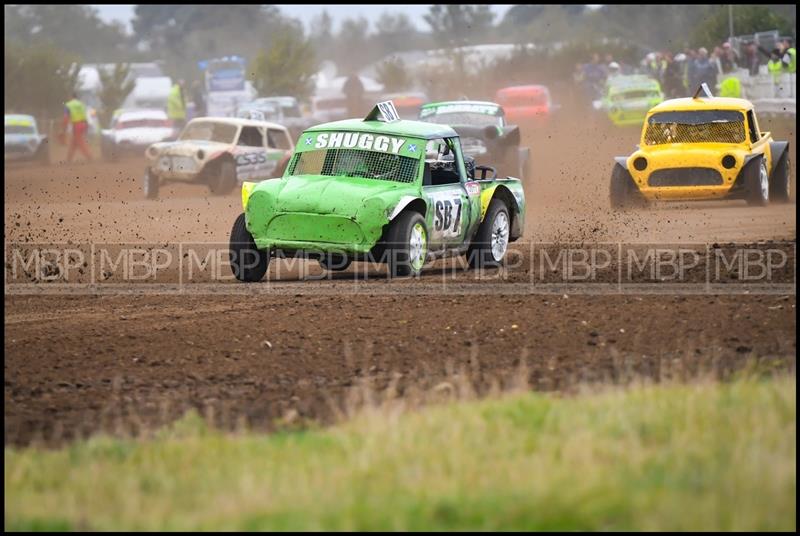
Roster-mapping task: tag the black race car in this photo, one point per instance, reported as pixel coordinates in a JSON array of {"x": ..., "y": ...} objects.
[{"x": 485, "y": 136}]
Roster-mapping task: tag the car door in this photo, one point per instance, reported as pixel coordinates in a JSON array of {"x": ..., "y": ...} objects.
[
  {"x": 279, "y": 150},
  {"x": 251, "y": 156},
  {"x": 445, "y": 189}
]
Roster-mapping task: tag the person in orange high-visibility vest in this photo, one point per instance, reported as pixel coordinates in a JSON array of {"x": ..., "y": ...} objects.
[{"x": 75, "y": 116}]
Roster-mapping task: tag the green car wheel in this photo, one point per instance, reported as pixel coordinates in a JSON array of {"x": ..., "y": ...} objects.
[
  {"x": 248, "y": 263},
  {"x": 407, "y": 245}
]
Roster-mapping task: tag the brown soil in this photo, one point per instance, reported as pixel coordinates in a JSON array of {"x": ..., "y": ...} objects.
[{"x": 293, "y": 349}]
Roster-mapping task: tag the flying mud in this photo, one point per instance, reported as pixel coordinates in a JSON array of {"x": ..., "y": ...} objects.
[{"x": 293, "y": 349}]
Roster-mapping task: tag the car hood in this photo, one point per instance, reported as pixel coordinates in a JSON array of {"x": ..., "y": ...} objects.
[
  {"x": 318, "y": 194},
  {"x": 187, "y": 147}
]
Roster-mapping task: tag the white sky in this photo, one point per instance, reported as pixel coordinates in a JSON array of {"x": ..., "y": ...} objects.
[{"x": 339, "y": 12}]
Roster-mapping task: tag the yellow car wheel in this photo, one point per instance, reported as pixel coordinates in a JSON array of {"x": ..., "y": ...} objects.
[
  {"x": 757, "y": 182},
  {"x": 780, "y": 184}
]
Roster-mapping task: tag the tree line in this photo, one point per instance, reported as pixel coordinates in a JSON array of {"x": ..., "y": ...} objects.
[{"x": 44, "y": 42}]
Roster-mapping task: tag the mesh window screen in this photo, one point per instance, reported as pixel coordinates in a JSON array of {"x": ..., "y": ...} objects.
[
  {"x": 727, "y": 132},
  {"x": 355, "y": 163}
]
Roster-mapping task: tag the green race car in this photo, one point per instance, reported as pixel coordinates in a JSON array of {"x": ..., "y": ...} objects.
[
  {"x": 379, "y": 190},
  {"x": 628, "y": 98}
]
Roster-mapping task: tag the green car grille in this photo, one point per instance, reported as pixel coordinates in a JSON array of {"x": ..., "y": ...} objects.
[{"x": 303, "y": 227}]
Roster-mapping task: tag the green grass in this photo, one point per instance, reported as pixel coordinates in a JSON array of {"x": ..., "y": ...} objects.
[{"x": 703, "y": 456}]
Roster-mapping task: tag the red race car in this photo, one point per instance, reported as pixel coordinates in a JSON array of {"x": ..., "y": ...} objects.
[{"x": 529, "y": 105}]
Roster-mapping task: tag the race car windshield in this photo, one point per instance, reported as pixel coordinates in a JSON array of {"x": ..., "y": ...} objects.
[
  {"x": 208, "y": 131},
  {"x": 355, "y": 163},
  {"x": 465, "y": 119},
  {"x": 696, "y": 126},
  {"x": 20, "y": 129}
]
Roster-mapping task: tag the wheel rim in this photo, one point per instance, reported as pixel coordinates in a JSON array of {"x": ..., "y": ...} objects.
[
  {"x": 764, "y": 181},
  {"x": 418, "y": 245},
  {"x": 499, "y": 236}
]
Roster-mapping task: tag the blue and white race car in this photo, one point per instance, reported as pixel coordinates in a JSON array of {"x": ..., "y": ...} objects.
[{"x": 23, "y": 140}]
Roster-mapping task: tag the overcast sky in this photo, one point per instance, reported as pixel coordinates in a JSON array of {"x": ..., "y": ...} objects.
[{"x": 339, "y": 12}]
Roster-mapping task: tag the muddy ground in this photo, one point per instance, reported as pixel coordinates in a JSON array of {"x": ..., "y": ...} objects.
[{"x": 293, "y": 348}]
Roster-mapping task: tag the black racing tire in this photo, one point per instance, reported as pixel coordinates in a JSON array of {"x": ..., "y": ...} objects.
[
  {"x": 780, "y": 184},
  {"x": 398, "y": 246},
  {"x": 248, "y": 263},
  {"x": 482, "y": 252},
  {"x": 224, "y": 180},
  {"x": 335, "y": 262},
  {"x": 622, "y": 191},
  {"x": 756, "y": 182},
  {"x": 151, "y": 184}
]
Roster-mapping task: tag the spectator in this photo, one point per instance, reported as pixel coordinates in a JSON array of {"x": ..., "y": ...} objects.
[
  {"x": 775, "y": 65},
  {"x": 354, "y": 92},
  {"x": 704, "y": 71},
  {"x": 198, "y": 99},
  {"x": 689, "y": 68},
  {"x": 788, "y": 56},
  {"x": 751, "y": 59},
  {"x": 731, "y": 56},
  {"x": 673, "y": 76},
  {"x": 594, "y": 76},
  {"x": 727, "y": 58}
]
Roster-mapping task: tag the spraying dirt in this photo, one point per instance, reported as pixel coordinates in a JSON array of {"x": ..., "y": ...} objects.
[{"x": 79, "y": 364}]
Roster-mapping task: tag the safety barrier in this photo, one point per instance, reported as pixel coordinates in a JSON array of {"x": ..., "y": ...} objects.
[{"x": 768, "y": 95}]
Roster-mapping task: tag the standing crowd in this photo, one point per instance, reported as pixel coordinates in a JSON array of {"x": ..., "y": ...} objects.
[{"x": 682, "y": 73}]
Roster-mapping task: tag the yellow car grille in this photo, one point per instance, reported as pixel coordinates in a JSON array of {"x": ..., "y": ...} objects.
[{"x": 689, "y": 176}]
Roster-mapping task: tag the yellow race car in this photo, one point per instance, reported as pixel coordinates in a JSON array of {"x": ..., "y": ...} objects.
[{"x": 703, "y": 148}]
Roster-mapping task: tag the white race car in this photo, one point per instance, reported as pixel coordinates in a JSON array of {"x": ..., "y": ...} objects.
[
  {"x": 133, "y": 131},
  {"x": 220, "y": 153}
]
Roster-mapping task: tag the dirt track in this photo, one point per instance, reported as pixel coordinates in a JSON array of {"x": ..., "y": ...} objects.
[{"x": 78, "y": 364}]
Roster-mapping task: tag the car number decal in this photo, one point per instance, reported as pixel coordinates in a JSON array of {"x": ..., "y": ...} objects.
[
  {"x": 447, "y": 214},
  {"x": 255, "y": 165}
]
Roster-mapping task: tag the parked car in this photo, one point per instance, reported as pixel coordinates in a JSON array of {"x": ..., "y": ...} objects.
[
  {"x": 219, "y": 153},
  {"x": 282, "y": 110},
  {"x": 23, "y": 140},
  {"x": 133, "y": 131}
]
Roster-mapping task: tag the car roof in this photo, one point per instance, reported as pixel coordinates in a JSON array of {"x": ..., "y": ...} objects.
[
  {"x": 631, "y": 81},
  {"x": 446, "y": 103},
  {"x": 703, "y": 103},
  {"x": 523, "y": 89},
  {"x": 403, "y": 127},
  {"x": 20, "y": 117},
  {"x": 279, "y": 99},
  {"x": 132, "y": 115},
  {"x": 236, "y": 121}
]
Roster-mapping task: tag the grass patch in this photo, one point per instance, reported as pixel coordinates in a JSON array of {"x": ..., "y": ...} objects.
[{"x": 702, "y": 456}]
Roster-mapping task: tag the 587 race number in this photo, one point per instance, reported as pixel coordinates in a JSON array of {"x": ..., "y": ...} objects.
[{"x": 447, "y": 216}]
